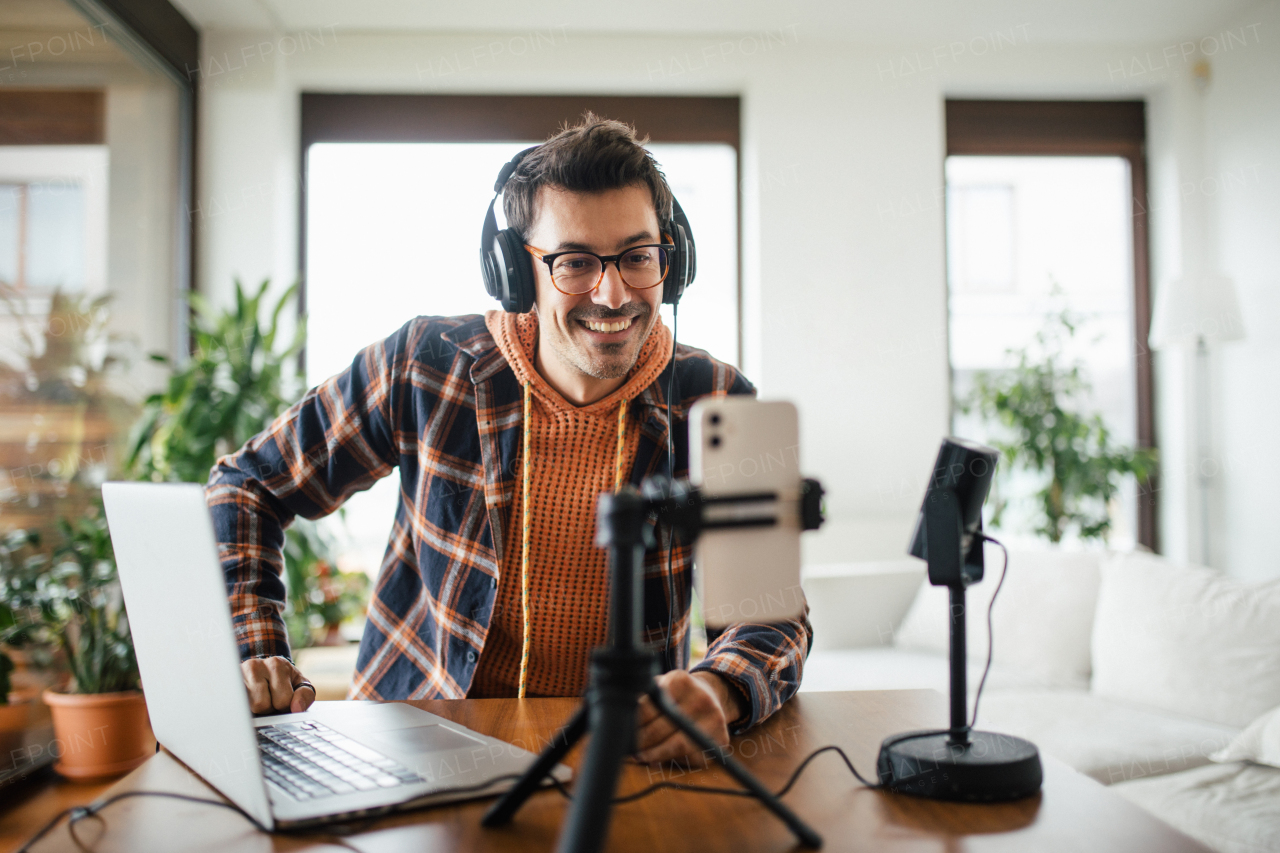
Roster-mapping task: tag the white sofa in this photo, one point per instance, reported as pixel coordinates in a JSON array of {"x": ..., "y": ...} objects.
[{"x": 1130, "y": 668}]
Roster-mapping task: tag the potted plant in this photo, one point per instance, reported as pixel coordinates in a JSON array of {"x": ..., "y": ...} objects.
[
  {"x": 1039, "y": 405},
  {"x": 70, "y": 599},
  {"x": 239, "y": 377}
]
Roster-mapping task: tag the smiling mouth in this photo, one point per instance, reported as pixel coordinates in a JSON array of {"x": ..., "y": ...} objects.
[{"x": 622, "y": 324}]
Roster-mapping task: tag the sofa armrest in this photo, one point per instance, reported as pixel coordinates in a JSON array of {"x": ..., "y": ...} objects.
[{"x": 858, "y": 605}]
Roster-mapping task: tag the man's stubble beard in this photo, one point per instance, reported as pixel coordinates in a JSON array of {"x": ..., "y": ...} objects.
[{"x": 609, "y": 361}]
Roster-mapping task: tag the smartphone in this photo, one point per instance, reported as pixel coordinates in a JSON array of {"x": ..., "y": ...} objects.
[{"x": 743, "y": 447}]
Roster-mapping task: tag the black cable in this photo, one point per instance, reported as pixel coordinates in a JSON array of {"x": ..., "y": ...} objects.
[
  {"x": 667, "y": 652},
  {"x": 742, "y": 792},
  {"x": 990, "y": 633},
  {"x": 79, "y": 813},
  {"x": 71, "y": 830}
]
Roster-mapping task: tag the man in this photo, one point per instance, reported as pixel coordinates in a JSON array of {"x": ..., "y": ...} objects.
[{"x": 452, "y": 402}]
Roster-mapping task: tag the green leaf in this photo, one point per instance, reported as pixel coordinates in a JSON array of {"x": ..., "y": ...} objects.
[{"x": 1039, "y": 407}]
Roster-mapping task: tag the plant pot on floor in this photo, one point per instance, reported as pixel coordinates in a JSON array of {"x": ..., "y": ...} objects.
[{"x": 100, "y": 734}]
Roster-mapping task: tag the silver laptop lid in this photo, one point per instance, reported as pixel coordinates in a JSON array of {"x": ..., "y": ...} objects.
[{"x": 181, "y": 624}]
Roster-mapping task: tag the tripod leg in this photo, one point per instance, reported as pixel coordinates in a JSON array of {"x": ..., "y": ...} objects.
[
  {"x": 613, "y": 727},
  {"x": 802, "y": 830},
  {"x": 502, "y": 811}
]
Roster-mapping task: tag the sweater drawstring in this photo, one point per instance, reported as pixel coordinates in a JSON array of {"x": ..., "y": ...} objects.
[
  {"x": 524, "y": 548},
  {"x": 622, "y": 431},
  {"x": 524, "y": 523}
]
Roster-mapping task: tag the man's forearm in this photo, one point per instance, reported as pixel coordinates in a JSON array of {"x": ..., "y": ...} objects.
[{"x": 765, "y": 662}]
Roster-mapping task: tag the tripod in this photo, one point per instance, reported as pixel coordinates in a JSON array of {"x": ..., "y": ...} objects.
[{"x": 624, "y": 670}]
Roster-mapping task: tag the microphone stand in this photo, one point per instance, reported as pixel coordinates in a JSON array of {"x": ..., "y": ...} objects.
[
  {"x": 960, "y": 763},
  {"x": 624, "y": 670}
]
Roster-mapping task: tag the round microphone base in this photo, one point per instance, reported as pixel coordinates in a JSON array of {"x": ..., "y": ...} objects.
[{"x": 985, "y": 767}]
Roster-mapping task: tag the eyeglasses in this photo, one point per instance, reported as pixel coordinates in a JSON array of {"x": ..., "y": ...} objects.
[{"x": 577, "y": 272}]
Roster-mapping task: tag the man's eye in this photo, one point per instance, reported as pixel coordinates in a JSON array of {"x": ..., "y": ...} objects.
[{"x": 637, "y": 258}]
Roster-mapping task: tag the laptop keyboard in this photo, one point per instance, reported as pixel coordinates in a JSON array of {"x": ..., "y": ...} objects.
[{"x": 308, "y": 760}]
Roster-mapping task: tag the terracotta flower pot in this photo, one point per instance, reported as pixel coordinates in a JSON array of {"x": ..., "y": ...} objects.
[{"x": 99, "y": 734}]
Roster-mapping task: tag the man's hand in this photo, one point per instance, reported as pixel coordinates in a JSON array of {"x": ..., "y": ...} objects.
[
  {"x": 703, "y": 697},
  {"x": 276, "y": 686}
]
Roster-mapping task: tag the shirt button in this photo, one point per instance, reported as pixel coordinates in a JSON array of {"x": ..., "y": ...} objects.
[{"x": 471, "y": 656}]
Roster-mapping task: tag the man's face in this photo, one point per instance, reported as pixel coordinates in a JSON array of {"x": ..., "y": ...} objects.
[{"x": 605, "y": 223}]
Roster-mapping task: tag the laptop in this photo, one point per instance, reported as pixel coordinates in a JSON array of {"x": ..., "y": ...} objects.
[{"x": 335, "y": 761}]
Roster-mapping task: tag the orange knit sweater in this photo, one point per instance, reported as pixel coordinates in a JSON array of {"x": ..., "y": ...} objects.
[{"x": 572, "y": 459}]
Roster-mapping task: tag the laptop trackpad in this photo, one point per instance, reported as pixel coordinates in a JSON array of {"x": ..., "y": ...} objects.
[{"x": 420, "y": 740}]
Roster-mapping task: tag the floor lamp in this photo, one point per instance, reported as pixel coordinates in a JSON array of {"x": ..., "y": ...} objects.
[{"x": 1196, "y": 311}]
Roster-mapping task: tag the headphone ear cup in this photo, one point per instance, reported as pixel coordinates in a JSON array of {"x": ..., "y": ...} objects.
[
  {"x": 508, "y": 272},
  {"x": 684, "y": 260}
]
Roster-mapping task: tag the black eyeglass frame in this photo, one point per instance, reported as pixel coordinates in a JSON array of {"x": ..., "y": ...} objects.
[{"x": 550, "y": 258}]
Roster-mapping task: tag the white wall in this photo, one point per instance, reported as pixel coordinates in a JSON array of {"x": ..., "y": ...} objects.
[
  {"x": 845, "y": 296},
  {"x": 1241, "y": 189}
]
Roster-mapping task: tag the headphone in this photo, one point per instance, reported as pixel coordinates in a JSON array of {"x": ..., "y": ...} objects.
[{"x": 507, "y": 266}]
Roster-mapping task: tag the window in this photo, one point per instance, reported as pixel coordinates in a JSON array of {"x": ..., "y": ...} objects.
[
  {"x": 1028, "y": 236},
  {"x": 95, "y": 170},
  {"x": 1046, "y": 211},
  {"x": 53, "y": 218},
  {"x": 394, "y": 229}
]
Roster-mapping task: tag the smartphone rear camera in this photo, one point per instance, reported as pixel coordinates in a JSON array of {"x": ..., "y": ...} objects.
[
  {"x": 715, "y": 440},
  {"x": 715, "y": 418}
]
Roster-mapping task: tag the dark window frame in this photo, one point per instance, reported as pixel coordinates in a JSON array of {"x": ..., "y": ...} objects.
[
  {"x": 1082, "y": 128},
  {"x": 340, "y": 117}
]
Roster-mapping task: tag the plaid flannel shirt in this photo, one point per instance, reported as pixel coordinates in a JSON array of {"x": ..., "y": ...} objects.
[{"x": 439, "y": 401}]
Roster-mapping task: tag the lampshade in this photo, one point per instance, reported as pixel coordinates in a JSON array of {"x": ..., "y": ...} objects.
[{"x": 1194, "y": 307}]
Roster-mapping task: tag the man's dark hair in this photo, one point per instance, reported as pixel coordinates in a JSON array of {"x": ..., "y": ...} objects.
[{"x": 594, "y": 155}]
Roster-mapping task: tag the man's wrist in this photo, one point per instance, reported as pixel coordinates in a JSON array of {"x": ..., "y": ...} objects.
[{"x": 731, "y": 700}]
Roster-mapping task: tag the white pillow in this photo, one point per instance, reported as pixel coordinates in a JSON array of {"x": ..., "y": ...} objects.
[
  {"x": 1042, "y": 621},
  {"x": 1259, "y": 743},
  {"x": 1187, "y": 640}
]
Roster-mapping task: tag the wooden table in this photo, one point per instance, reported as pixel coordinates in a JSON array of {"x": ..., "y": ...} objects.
[{"x": 1072, "y": 812}]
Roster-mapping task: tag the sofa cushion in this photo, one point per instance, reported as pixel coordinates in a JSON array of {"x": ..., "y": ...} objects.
[
  {"x": 1108, "y": 740},
  {"x": 1186, "y": 640},
  {"x": 1259, "y": 742},
  {"x": 1229, "y": 807},
  {"x": 1042, "y": 621}
]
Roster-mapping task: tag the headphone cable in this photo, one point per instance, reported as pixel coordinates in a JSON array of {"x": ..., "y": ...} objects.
[{"x": 668, "y": 653}]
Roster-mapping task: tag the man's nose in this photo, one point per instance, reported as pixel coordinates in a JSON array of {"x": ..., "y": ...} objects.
[{"x": 613, "y": 291}]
